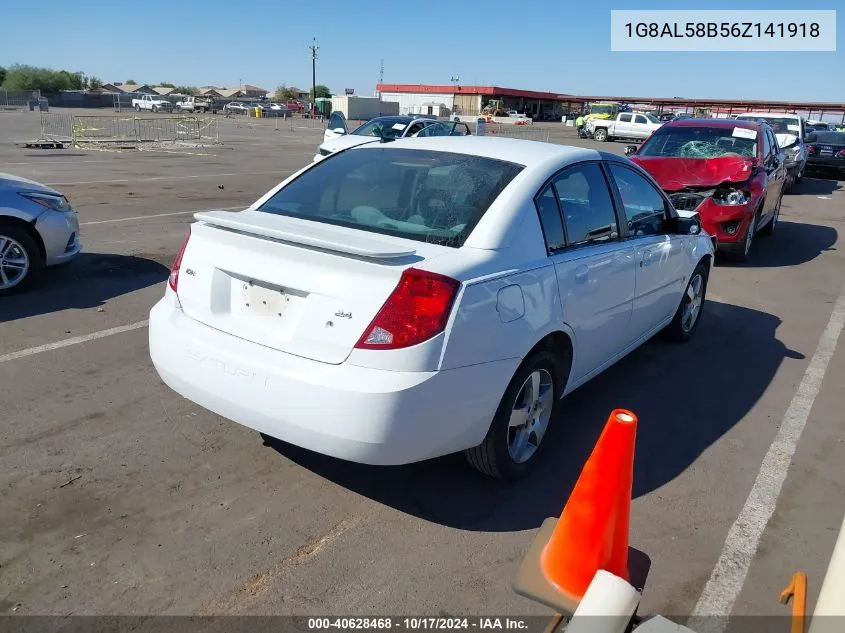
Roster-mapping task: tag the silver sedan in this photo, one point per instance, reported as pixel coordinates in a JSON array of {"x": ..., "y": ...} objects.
[{"x": 38, "y": 228}]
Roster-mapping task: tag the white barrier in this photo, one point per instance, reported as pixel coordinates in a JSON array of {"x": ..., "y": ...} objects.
[
  {"x": 831, "y": 602},
  {"x": 607, "y": 606}
]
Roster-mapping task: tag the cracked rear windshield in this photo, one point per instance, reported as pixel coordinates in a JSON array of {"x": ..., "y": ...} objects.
[
  {"x": 697, "y": 142},
  {"x": 428, "y": 196}
]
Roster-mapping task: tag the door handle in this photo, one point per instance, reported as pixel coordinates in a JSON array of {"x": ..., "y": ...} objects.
[{"x": 581, "y": 273}]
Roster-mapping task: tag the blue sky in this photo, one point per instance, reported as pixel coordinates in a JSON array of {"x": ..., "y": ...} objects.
[{"x": 543, "y": 45}]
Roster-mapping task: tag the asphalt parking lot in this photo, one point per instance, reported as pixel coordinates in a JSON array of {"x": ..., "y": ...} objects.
[{"x": 118, "y": 496}]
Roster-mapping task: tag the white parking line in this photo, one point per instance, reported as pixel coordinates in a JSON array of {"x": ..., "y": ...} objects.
[
  {"x": 160, "y": 215},
  {"x": 76, "y": 340},
  {"x": 105, "y": 182},
  {"x": 726, "y": 581}
]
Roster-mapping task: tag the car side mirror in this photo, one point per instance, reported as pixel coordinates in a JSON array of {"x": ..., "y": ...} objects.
[
  {"x": 630, "y": 150},
  {"x": 684, "y": 225},
  {"x": 339, "y": 130}
]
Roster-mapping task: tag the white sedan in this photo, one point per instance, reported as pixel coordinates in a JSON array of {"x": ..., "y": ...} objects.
[
  {"x": 393, "y": 303},
  {"x": 378, "y": 130}
]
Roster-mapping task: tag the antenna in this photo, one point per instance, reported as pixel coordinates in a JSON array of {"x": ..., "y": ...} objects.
[{"x": 380, "y": 78}]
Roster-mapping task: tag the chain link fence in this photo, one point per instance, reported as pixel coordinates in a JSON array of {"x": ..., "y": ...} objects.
[
  {"x": 18, "y": 99},
  {"x": 130, "y": 132}
]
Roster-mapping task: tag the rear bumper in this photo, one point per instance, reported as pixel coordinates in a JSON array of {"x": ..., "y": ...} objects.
[
  {"x": 828, "y": 162},
  {"x": 359, "y": 414}
]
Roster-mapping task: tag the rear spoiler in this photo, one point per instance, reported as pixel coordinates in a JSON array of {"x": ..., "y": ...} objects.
[{"x": 304, "y": 232}]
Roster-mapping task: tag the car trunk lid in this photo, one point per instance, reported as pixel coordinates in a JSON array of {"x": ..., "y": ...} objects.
[{"x": 301, "y": 287}]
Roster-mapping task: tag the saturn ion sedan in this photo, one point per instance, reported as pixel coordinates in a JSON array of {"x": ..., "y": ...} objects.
[
  {"x": 396, "y": 302},
  {"x": 38, "y": 228}
]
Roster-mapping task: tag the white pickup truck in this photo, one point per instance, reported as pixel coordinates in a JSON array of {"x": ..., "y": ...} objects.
[
  {"x": 197, "y": 104},
  {"x": 151, "y": 102},
  {"x": 626, "y": 125}
]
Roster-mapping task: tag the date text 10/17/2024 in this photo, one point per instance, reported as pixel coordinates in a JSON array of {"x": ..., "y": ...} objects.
[
  {"x": 418, "y": 623},
  {"x": 723, "y": 29}
]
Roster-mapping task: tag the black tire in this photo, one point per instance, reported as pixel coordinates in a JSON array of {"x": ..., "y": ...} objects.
[
  {"x": 741, "y": 254},
  {"x": 769, "y": 229},
  {"x": 799, "y": 178},
  {"x": 36, "y": 262},
  {"x": 601, "y": 135},
  {"x": 155, "y": 108},
  {"x": 492, "y": 457},
  {"x": 677, "y": 330},
  {"x": 137, "y": 108}
]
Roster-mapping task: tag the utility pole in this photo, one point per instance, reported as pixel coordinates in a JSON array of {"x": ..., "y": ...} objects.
[{"x": 314, "y": 48}]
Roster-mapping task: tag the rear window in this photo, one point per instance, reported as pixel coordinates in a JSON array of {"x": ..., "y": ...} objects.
[
  {"x": 435, "y": 197},
  {"x": 833, "y": 138}
]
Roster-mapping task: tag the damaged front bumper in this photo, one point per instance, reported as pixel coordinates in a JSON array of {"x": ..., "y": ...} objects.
[{"x": 725, "y": 223}]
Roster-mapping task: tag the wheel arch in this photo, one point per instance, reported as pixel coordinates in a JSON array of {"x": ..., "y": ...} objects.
[
  {"x": 29, "y": 228},
  {"x": 560, "y": 344}
]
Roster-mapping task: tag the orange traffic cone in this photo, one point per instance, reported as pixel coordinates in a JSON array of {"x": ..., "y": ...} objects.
[{"x": 592, "y": 532}]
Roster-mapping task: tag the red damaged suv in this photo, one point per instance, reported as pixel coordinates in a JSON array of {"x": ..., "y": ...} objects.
[{"x": 729, "y": 172}]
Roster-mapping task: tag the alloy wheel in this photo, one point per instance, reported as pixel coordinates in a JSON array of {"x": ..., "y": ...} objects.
[
  {"x": 692, "y": 305},
  {"x": 14, "y": 262},
  {"x": 530, "y": 415}
]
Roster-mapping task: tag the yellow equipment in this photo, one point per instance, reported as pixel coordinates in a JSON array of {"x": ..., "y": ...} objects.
[
  {"x": 493, "y": 108},
  {"x": 603, "y": 110}
]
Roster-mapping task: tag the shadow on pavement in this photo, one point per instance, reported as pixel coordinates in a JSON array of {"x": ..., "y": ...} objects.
[
  {"x": 687, "y": 397},
  {"x": 794, "y": 243},
  {"x": 87, "y": 282},
  {"x": 819, "y": 182}
]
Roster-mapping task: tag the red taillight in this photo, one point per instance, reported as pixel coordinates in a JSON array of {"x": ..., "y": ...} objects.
[
  {"x": 177, "y": 262},
  {"x": 415, "y": 311},
  {"x": 842, "y": 152},
  {"x": 811, "y": 150}
]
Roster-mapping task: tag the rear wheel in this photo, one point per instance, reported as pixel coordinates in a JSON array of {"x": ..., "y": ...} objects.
[
  {"x": 20, "y": 259},
  {"x": 600, "y": 135},
  {"x": 137, "y": 108},
  {"x": 522, "y": 419},
  {"x": 688, "y": 315}
]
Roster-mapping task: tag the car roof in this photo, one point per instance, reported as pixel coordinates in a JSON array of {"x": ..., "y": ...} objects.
[
  {"x": 770, "y": 115},
  {"x": 399, "y": 119},
  {"x": 522, "y": 152},
  {"x": 712, "y": 123}
]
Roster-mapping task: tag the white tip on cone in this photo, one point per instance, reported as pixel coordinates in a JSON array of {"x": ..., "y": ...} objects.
[{"x": 611, "y": 598}]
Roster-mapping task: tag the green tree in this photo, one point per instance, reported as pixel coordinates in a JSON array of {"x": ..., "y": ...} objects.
[
  {"x": 165, "y": 84},
  {"x": 322, "y": 92},
  {"x": 131, "y": 81},
  {"x": 2, "y": 75},
  {"x": 185, "y": 90},
  {"x": 95, "y": 83},
  {"x": 47, "y": 80},
  {"x": 283, "y": 93}
]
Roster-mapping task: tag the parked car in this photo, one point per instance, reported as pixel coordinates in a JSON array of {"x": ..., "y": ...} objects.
[
  {"x": 399, "y": 302},
  {"x": 295, "y": 105},
  {"x": 235, "y": 107},
  {"x": 626, "y": 125},
  {"x": 379, "y": 129},
  {"x": 809, "y": 126},
  {"x": 445, "y": 128},
  {"x": 790, "y": 133},
  {"x": 153, "y": 103},
  {"x": 197, "y": 104},
  {"x": 38, "y": 228},
  {"x": 826, "y": 151},
  {"x": 730, "y": 172}
]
